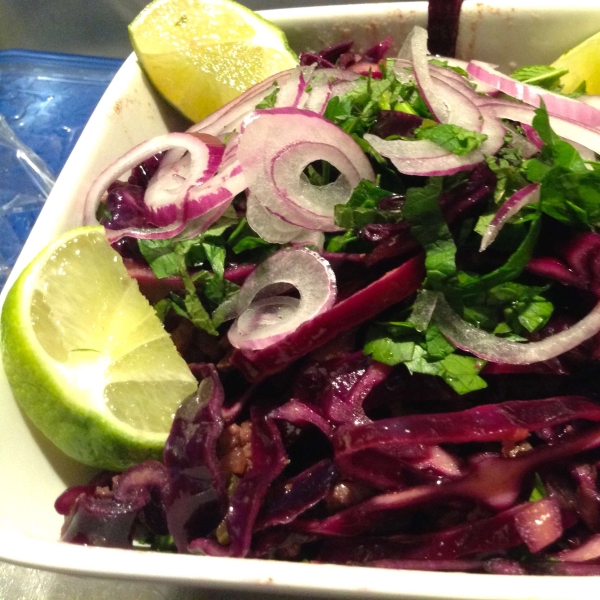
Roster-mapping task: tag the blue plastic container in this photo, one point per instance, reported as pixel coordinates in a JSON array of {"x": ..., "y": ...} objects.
[{"x": 46, "y": 99}]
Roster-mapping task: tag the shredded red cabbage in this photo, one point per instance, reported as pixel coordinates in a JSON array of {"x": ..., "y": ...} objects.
[{"x": 351, "y": 438}]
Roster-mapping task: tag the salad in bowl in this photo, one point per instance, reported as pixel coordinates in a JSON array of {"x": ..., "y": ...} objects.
[{"x": 380, "y": 269}]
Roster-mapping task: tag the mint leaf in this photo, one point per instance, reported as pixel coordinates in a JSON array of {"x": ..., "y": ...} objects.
[
  {"x": 429, "y": 353},
  {"x": 362, "y": 208},
  {"x": 572, "y": 197},
  {"x": 249, "y": 243},
  {"x": 269, "y": 101},
  {"x": 540, "y": 75},
  {"x": 436, "y": 344},
  {"x": 159, "y": 254},
  {"x": 391, "y": 345},
  {"x": 569, "y": 192},
  {"x": 444, "y": 64},
  {"x": 367, "y": 195},
  {"x": 461, "y": 373},
  {"x": 539, "y": 491},
  {"x": 427, "y": 225},
  {"x": 456, "y": 139},
  {"x": 339, "y": 242}
]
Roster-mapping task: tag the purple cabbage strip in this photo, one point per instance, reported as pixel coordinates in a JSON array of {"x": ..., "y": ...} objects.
[
  {"x": 378, "y": 51},
  {"x": 537, "y": 524},
  {"x": 333, "y": 53},
  {"x": 198, "y": 497},
  {"x": 313, "y": 58},
  {"x": 286, "y": 501},
  {"x": 511, "y": 421},
  {"x": 105, "y": 517},
  {"x": 394, "y": 122},
  {"x": 268, "y": 460},
  {"x": 125, "y": 207},
  {"x": 393, "y": 287},
  {"x": 144, "y": 172},
  {"x": 349, "y": 385},
  {"x": 577, "y": 265},
  {"x": 299, "y": 413},
  {"x": 493, "y": 481}
]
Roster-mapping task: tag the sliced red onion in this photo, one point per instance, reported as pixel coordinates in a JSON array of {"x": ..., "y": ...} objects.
[
  {"x": 591, "y": 99},
  {"x": 557, "y": 105},
  {"x": 200, "y": 155},
  {"x": 328, "y": 83},
  {"x": 277, "y": 231},
  {"x": 177, "y": 171},
  {"x": 569, "y": 130},
  {"x": 489, "y": 347},
  {"x": 206, "y": 203},
  {"x": 528, "y": 146},
  {"x": 276, "y": 146},
  {"x": 265, "y": 321},
  {"x": 527, "y": 195},
  {"x": 414, "y": 49},
  {"x": 229, "y": 117},
  {"x": 423, "y": 157},
  {"x": 294, "y": 92},
  {"x": 480, "y": 87}
]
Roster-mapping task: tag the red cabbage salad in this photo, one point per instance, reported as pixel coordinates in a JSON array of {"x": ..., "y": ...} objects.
[{"x": 384, "y": 273}]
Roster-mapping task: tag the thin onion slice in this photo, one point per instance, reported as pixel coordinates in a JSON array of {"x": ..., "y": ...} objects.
[
  {"x": 276, "y": 145},
  {"x": 277, "y": 231},
  {"x": 200, "y": 156},
  {"x": 527, "y": 195},
  {"x": 490, "y": 347},
  {"x": 265, "y": 321},
  {"x": 229, "y": 117},
  {"x": 423, "y": 157},
  {"x": 414, "y": 49},
  {"x": 294, "y": 92},
  {"x": 587, "y": 136},
  {"x": 557, "y": 105}
]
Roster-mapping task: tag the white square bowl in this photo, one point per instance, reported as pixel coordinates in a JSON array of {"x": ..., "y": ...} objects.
[{"x": 34, "y": 473}]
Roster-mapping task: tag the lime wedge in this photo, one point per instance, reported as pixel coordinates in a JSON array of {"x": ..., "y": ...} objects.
[
  {"x": 86, "y": 356},
  {"x": 583, "y": 63},
  {"x": 200, "y": 54}
]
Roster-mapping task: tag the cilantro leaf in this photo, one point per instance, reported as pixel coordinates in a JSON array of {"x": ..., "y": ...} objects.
[{"x": 456, "y": 139}]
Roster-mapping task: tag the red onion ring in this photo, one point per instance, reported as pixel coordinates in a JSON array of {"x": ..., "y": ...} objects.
[
  {"x": 177, "y": 170},
  {"x": 490, "y": 347},
  {"x": 265, "y": 321},
  {"x": 200, "y": 155},
  {"x": 276, "y": 145},
  {"x": 527, "y": 195}
]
